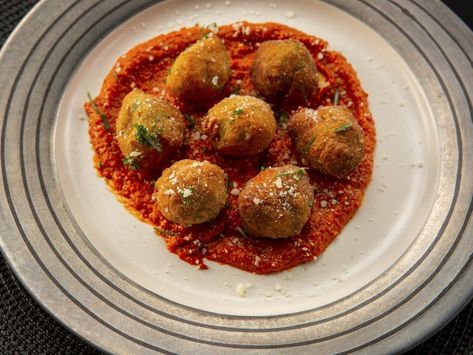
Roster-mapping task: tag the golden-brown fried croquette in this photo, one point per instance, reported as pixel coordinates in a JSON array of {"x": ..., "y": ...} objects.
[
  {"x": 284, "y": 71},
  {"x": 241, "y": 125},
  {"x": 191, "y": 192},
  {"x": 276, "y": 203},
  {"x": 200, "y": 72},
  {"x": 148, "y": 129},
  {"x": 329, "y": 139}
]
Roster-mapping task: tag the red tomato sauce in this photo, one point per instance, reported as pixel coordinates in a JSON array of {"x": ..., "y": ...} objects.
[{"x": 335, "y": 202}]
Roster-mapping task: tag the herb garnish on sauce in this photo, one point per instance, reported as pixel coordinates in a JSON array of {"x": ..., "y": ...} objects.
[{"x": 98, "y": 112}]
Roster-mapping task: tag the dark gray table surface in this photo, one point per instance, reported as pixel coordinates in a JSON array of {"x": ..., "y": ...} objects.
[{"x": 26, "y": 328}]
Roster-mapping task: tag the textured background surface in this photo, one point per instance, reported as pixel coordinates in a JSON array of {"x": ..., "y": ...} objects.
[{"x": 26, "y": 328}]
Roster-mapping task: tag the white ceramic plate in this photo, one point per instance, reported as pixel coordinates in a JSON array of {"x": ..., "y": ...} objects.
[
  {"x": 105, "y": 270},
  {"x": 407, "y": 152}
]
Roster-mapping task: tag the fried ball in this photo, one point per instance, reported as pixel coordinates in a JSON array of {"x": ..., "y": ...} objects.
[
  {"x": 276, "y": 203},
  {"x": 284, "y": 70},
  {"x": 191, "y": 192},
  {"x": 200, "y": 72},
  {"x": 148, "y": 129},
  {"x": 329, "y": 139},
  {"x": 241, "y": 125}
]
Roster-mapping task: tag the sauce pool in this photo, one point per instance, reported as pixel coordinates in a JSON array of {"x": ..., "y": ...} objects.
[{"x": 335, "y": 202}]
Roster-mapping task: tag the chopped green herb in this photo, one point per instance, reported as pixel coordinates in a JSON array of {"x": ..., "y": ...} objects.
[
  {"x": 336, "y": 97},
  {"x": 262, "y": 167},
  {"x": 190, "y": 119},
  {"x": 135, "y": 106},
  {"x": 131, "y": 163},
  {"x": 100, "y": 164},
  {"x": 212, "y": 25},
  {"x": 115, "y": 76},
  {"x": 306, "y": 148},
  {"x": 146, "y": 138},
  {"x": 283, "y": 115},
  {"x": 242, "y": 232},
  {"x": 169, "y": 70},
  {"x": 236, "y": 90},
  {"x": 211, "y": 28},
  {"x": 98, "y": 112},
  {"x": 299, "y": 173},
  {"x": 238, "y": 111},
  {"x": 164, "y": 231},
  {"x": 343, "y": 128},
  {"x": 221, "y": 234},
  {"x": 227, "y": 182}
]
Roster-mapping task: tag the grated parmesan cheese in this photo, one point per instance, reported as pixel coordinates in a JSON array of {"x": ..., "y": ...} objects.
[
  {"x": 135, "y": 154},
  {"x": 186, "y": 192},
  {"x": 243, "y": 288},
  {"x": 257, "y": 201},
  {"x": 290, "y": 14},
  {"x": 278, "y": 182}
]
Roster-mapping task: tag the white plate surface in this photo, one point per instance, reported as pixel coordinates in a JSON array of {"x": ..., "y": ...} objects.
[{"x": 396, "y": 205}]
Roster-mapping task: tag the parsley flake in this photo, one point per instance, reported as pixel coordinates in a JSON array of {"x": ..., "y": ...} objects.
[
  {"x": 164, "y": 231},
  {"x": 283, "y": 116},
  {"x": 131, "y": 163},
  {"x": 298, "y": 174},
  {"x": 343, "y": 128},
  {"x": 241, "y": 231},
  {"x": 190, "y": 119},
  {"x": 336, "y": 97},
  {"x": 135, "y": 106},
  {"x": 146, "y": 138},
  {"x": 102, "y": 115},
  {"x": 238, "y": 111},
  {"x": 236, "y": 90},
  {"x": 212, "y": 26},
  {"x": 306, "y": 148},
  {"x": 169, "y": 69}
]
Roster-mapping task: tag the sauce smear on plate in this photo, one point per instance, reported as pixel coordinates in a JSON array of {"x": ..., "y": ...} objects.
[{"x": 222, "y": 240}]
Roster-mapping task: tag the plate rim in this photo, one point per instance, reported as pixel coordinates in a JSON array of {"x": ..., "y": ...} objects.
[{"x": 7, "y": 44}]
